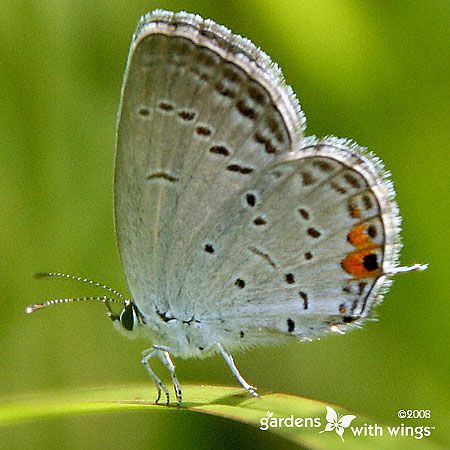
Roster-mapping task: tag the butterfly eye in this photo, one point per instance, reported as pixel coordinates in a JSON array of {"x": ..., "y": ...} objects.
[{"x": 129, "y": 317}]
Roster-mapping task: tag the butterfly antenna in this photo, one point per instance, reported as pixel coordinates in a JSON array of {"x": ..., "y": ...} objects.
[
  {"x": 104, "y": 299},
  {"x": 41, "y": 275}
]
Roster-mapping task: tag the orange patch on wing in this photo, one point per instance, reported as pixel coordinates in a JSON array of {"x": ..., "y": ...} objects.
[
  {"x": 353, "y": 263},
  {"x": 357, "y": 237}
]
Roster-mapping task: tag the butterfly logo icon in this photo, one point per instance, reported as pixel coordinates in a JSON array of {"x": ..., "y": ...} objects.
[{"x": 337, "y": 423}]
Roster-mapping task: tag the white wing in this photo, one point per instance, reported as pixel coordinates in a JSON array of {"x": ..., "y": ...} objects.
[
  {"x": 223, "y": 212},
  {"x": 345, "y": 421},
  {"x": 192, "y": 122},
  {"x": 331, "y": 415}
]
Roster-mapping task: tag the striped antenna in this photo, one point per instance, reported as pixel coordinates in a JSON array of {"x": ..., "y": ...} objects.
[
  {"x": 106, "y": 300},
  {"x": 41, "y": 275}
]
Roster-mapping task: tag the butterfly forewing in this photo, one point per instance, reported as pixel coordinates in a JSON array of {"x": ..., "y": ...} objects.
[{"x": 195, "y": 127}]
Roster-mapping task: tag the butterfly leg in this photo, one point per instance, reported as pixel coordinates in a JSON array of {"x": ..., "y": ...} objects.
[
  {"x": 147, "y": 355},
  {"x": 234, "y": 370},
  {"x": 164, "y": 356}
]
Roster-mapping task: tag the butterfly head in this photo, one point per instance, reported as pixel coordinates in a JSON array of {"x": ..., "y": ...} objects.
[
  {"x": 126, "y": 321},
  {"x": 129, "y": 318}
]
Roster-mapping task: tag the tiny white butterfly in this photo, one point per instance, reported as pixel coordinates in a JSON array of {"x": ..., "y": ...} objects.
[
  {"x": 234, "y": 229},
  {"x": 336, "y": 423}
]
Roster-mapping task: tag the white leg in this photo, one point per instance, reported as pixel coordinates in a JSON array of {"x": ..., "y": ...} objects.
[
  {"x": 230, "y": 362},
  {"x": 147, "y": 355},
  {"x": 164, "y": 356}
]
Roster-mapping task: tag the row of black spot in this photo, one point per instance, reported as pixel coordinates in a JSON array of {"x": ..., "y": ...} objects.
[
  {"x": 291, "y": 325},
  {"x": 236, "y": 76},
  {"x": 205, "y": 131},
  {"x": 240, "y": 283},
  {"x": 185, "y": 115},
  {"x": 289, "y": 278},
  {"x": 245, "y": 110},
  {"x": 309, "y": 179}
]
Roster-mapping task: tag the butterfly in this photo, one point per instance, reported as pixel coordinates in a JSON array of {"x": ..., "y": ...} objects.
[
  {"x": 234, "y": 229},
  {"x": 336, "y": 423}
]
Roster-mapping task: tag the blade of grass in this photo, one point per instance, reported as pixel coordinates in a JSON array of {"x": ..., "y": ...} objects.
[{"x": 225, "y": 402}]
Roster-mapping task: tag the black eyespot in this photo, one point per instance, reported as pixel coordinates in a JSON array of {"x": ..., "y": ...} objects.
[
  {"x": 313, "y": 232},
  {"x": 239, "y": 169},
  {"x": 290, "y": 325},
  {"x": 219, "y": 150},
  {"x": 304, "y": 297},
  {"x": 165, "y": 106},
  {"x": 186, "y": 115},
  {"x": 289, "y": 278},
  {"x": 246, "y": 110},
  {"x": 372, "y": 231},
  {"x": 251, "y": 199},
  {"x": 259, "y": 221},
  {"x": 304, "y": 213},
  {"x": 370, "y": 262},
  {"x": 209, "y": 248},
  {"x": 203, "y": 131}
]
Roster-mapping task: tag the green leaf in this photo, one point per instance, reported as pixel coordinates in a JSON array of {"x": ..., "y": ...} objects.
[{"x": 227, "y": 402}]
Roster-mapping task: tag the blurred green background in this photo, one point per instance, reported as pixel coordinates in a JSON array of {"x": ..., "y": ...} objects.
[{"x": 374, "y": 71}]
